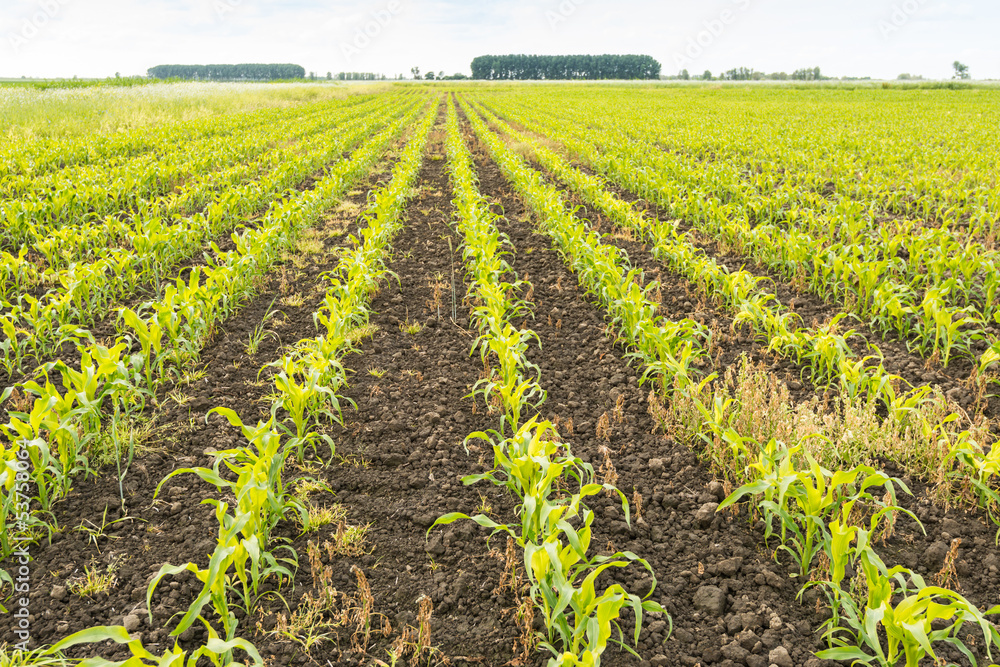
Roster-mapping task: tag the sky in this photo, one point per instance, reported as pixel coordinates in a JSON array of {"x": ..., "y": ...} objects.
[{"x": 876, "y": 38}]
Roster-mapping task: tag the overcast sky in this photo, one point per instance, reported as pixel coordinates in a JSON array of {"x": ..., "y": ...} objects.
[{"x": 878, "y": 38}]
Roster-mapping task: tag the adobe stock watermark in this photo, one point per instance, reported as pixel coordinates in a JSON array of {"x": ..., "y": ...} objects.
[
  {"x": 19, "y": 559},
  {"x": 562, "y": 12},
  {"x": 713, "y": 29},
  {"x": 33, "y": 25},
  {"x": 224, "y": 8},
  {"x": 366, "y": 34},
  {"x": 901, "y": 14}
]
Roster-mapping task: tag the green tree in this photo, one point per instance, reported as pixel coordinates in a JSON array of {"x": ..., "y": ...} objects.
[
  {"x": 961, "y": 71},
  {"x": 415, "y": 71},
  {"x": 740, "y": 74},
  {"x": 684, "y": 75},
  {"x": 808, "y": 74},
  {"x": 706, "y": 76}
]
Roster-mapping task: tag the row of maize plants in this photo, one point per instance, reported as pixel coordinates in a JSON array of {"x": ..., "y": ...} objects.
[
  {"x": 532, "y": 462},
  {"x": 309, "y": 378},
  {"x": 513, "y": 385},
  {"x": 812, "y": 504}
]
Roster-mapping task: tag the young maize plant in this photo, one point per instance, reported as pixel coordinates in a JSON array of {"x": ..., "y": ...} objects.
[
  {"x": 16, "y": 520},
  {"x": 218, "y": 652},
  {"x": 910, "y": 627},
  {"x": 262, "y": 500},
  {"x": 975, "y": 474},
  {"x": 554, "y": 533},
  {"x": 516, "y": 380},
  {"x": 803, "y": 501}
]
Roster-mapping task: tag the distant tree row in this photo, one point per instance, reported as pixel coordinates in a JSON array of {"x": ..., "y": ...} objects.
[
  {"x": 244, "y": 72},
  {"x": 523, "y": 67},
  {"x": 359, "y": 76},
  {"x": 750, "y": 74},
  {"x": 440, "y": 76}
]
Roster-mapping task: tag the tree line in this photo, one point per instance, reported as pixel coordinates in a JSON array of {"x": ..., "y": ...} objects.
[
  {"x": 359, "y": 76},
  {"x": 244, "y": 72},
  {"x": 524, "y": 67},
  {"x": 750, "y": 74}
]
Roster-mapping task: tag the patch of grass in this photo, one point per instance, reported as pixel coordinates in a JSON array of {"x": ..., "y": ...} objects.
[
  {"x": 136, "y": 431},
  {"x": 96, "y": 533},
  {"x": 348, "y": 540},
  {"x": 322, "y": 515},
  {"x": 360, "y": 333},
  {"x": 192, "y": 376},
  {"x": 484, "y": 506},
  {"x": 310, "y": 243},
  {"x": 94, "y": 580},
  {"x": 412, "y": 328},
  {"x": 179, "y": 397},
  {"x": 309, "y": 467},
  {"x": 295, "y": 300}
]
